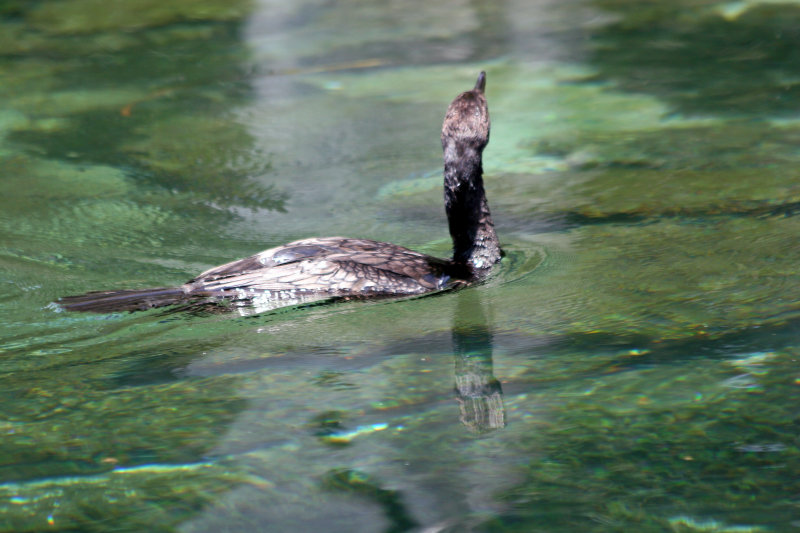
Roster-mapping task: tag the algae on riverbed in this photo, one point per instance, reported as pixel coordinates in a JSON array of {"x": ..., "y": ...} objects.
[{"x": 632, "y": 359}]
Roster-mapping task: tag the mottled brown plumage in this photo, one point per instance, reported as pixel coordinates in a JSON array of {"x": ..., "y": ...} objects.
[{"x": 337, "y": 267}]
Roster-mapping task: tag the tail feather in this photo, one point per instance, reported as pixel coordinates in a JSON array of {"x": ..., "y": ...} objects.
[{"x": 124, "y": 300}]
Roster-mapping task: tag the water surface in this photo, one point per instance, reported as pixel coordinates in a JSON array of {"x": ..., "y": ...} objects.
[{"x": 631, "y": 366}]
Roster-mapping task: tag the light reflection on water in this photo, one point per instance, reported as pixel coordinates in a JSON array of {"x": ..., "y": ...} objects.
[{"x": 631, "y": 365}]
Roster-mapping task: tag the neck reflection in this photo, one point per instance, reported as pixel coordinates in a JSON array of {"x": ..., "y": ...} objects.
[{"x": 478, "y": 393}]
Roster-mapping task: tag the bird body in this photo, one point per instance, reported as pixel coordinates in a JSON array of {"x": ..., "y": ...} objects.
[{"x": 337, "y": 267}]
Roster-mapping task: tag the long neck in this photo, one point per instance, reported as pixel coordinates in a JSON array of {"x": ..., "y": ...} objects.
[{"x": 475, "y": 242}]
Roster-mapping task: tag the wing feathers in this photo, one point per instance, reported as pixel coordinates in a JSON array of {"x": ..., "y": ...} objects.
[{"x": 331, "y": 266}]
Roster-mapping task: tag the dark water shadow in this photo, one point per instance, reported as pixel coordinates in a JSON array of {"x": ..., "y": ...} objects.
[
  {"x": 176, "y": 132},
  {"x": 703, "y": 61},
  {"x": 366, "y": 487},
  {"x": 632, "y": 352}
]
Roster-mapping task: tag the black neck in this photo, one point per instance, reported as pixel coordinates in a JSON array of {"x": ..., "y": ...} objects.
[{"x": 475, "y": 242}]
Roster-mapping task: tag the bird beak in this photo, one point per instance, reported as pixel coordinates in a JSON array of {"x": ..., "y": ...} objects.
[{"x": 480, "y": 85}]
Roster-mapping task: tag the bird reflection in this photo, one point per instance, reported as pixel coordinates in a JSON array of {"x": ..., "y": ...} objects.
[{"x": 478, "y": 393}]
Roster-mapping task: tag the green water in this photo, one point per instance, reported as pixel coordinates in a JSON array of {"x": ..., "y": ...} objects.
[{"x": 632, "y": 365}]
